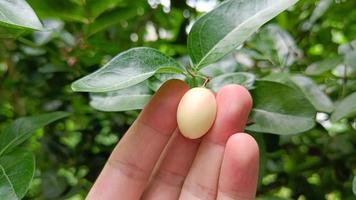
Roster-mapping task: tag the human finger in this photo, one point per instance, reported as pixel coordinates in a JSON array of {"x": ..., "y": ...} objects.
[
  {"x": 234, "y": 104},
  {"x": 131, "y": 163},
  {"x": 239, "y": 169}
]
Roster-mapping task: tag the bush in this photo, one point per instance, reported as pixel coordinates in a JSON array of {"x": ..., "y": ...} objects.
[{"x": 300, "y": 69}]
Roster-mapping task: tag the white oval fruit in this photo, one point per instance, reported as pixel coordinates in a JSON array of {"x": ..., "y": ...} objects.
[{"x": 196, "y": 112}]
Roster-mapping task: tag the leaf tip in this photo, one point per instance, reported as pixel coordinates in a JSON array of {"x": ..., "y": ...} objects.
[
  {"x": 39, "y": 27},
  {"x": 75, "y": 86}
]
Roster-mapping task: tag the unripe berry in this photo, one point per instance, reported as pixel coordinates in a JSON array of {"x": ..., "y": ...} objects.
[{"x": 196, "y": 112}]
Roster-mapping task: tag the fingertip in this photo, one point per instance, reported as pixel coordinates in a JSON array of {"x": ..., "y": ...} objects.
[
  {"x": 172, "y": 88},
  {"x": 174, "y": 83},
  {"x": 245, "y": 146},
  {"x": 239, "y": 170},
  {"x": 234, "y": 105},
  {"x": 237, "y": 92}
]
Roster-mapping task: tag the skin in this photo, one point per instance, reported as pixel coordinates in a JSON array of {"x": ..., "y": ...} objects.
[{"x": 154, "y": 161}]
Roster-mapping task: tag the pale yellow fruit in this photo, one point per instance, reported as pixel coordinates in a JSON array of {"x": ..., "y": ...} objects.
[{"x": 196, "y": 112}]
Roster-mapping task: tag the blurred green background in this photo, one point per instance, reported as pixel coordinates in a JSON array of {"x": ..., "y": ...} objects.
[{"x": 37, "y": 68}]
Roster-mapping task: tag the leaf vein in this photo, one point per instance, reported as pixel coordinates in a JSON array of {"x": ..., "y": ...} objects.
[
  {"x": 8, "y": 179},
  {"x": 236, "y": 28}
]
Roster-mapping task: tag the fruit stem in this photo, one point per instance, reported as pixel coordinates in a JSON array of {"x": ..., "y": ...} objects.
[
  {"x": 207, "y": 79},
  {"x": 194, "y": 74}
]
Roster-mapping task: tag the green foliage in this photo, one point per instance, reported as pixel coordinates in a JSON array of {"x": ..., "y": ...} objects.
[
  {"x": 313, "y": 93},
  {"x": 241, "y": 78},
  {"x": 17, "y": 170},
  {"x": 19, "y": 14},
  {"x": 276, "y": 104},
  {"x": 275, "y": 45},
  {"x": 219, "y": 32},
  {"x": 132, "y": 98},
  {"x": 346, "y": 108},
  {"x": 22, "y": 128},
  {"x": 138, "y": 64},
  {"x": 17, "y": 166},
  {"x": 300, "y": 69},
  {"x": 127, "y": 69},
  {"x": 318, "y": 68},
  {"x": 311, "y": 90},
  {"x": 354, "y": 185}
]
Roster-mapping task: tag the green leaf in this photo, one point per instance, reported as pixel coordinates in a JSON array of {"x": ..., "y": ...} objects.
[
  {"x": 223, "y": 29},
  {"x": 281, "y": 77},
  {"x": 346, "y": 48},
  {"x": 110, "y": 18},
  {"x": 345, "y": 71},
  {"x": 280, "y": 109},
  {"x": 276, "y": 44},
  {"x": 323, "y": 66},
  {"x": 313, "y": 93},
  {"x": 96, "y": 7},
  {"x": 354, "y": 185},
  {"x": 349, "y": 68},
  {"x": 127, "y": 69},
  {"x": 132, "y": 98},
  {"x": 16, "y": 173},
  {"x": 350, "y": 60},
  {"x": 346, "y": 108},
  {"x": 53, "y": 29},
  {"x": 19, "y": 14},
  {"x": 251, "y": 54},
  {"x": 223, "y": 66},
  {"x": 241, "y": 78},
  {"x": 307, "y": 86},
  {"x": 65, "y": 10},
  {"x": 320, "y": 9},
  {"x": 158, "y": 80},
  {"x": 22, "y": 128},
  {"x": 78, "y": 2}
]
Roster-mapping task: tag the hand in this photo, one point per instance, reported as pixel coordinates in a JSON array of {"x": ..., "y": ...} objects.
[{"x": 154, "y": 161}]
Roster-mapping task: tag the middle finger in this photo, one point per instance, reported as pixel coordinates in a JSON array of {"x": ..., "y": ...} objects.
[{"x": 234, "y": 104}]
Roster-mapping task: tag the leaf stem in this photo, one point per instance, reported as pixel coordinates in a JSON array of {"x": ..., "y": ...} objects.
[{"x": 195, "y": 74}]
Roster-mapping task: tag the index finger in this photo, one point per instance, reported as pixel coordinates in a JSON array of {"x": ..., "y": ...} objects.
[{"x": 131, "y": 163}]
